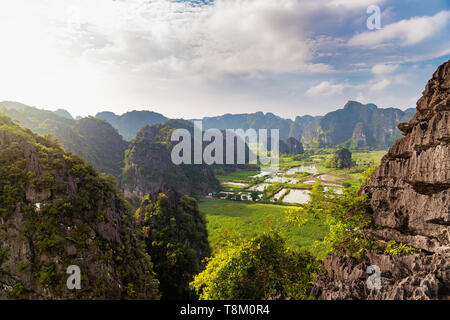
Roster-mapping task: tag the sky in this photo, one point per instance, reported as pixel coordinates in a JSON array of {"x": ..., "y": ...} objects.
[{"x": 189, "y": 59}]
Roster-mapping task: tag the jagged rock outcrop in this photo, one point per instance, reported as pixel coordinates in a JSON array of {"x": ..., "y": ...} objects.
[
  {"x": 410, "y": 199},
  {"x": 342, "y": 158},
  {"x": 57, "y": 211},
  {"x": 291, "y": 146}
]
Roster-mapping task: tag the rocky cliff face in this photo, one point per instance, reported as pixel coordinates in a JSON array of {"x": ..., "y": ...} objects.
[
  {"x": 291, "y": 146},
  {"x": 356, "y": 125},
  {"x": 342, "y": 158},
  {"x": 149, "y": 165},
  {"x": 410, "y": 199},
  {"x": 56, "y": 211},
  {"x": 258, "y": 120}
]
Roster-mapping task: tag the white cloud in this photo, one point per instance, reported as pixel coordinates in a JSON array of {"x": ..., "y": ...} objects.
[
  {"x": 362, "y": 98},
  {"x": 380, "y": 85},
  {"x": 384, "y": 68},
  {"x": 355, "y": 3},
  {"x": 164, "y": 54},
  {"x": 325, "y": 88},
  {"x": 229, "y": 37},
  {"x": 404, "y": 32},
  {"x": 160, "y": 37}
]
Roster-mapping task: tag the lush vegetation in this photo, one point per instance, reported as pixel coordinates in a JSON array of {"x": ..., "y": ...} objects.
[
  {"x": 238, "y": 175},
  {"x": 94, "y": 140},
  {"x": 344, "y": 214},
  {"x": 255, "y": 270},
  {"x": 224, "y": 249},
  {"x": 235, "y": 221},
  {"x": 177, "y": 241},
  {"x": 341, "y": 159},
  {"x": 356, "y": 125},
  {"x": 395, "y": 248},
  {"x": 60, "y": 200}
]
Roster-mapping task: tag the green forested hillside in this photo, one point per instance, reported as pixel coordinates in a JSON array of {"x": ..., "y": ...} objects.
[
  {"x": 94, "y": 140},
  {"x": 57, "y": 211},
  {"x": 176, "y": 238}
]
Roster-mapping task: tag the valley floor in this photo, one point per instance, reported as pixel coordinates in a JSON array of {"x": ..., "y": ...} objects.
[{"x": 231, "y": 219}]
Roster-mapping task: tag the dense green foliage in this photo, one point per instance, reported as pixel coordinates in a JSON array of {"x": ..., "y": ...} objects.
[
  {"x": 177, "y": 241},
  {"x": 255, "y": 270},
  {"x": 395, "y": 248},
  {"x": 347, "y": 219},
  {"x": 248, "y": 263},
  {"x": 344, "y": 214},
  {"x": 51, "y": 205}
]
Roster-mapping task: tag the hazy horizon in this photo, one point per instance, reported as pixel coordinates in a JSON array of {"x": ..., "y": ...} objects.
[
  {"x": 190, "y": 59},
  {"x": 188, "y": 118}
]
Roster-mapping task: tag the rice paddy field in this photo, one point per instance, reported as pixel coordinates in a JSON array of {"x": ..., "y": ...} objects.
[
  {"x": 233, "y": 220},
  {"x": 238, "y": 220}
]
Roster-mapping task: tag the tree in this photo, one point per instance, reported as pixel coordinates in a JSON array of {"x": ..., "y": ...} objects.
[
  {"x": 344, "y": 214},
  {"x": 255, "y": 270},
  {"x": 176, "y": 240},
  {"x": 254, "y": 195}
]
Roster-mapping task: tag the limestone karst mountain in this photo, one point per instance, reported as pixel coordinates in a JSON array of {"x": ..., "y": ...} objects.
[
  {"x": 148, "y": 164},
  {"x": 93, "y": 139},
  {"x": 57, "y": 211},
  {"x": 259, "y": 120},
  {"x": 63, "y": 113},
  {"x": 342, "y": 158},
  {"x": 129, "y": 123},
  {"x": 410, "y": 202},
  {"x": 291, "y": 146},
  {"x": 356, "y": 125}
]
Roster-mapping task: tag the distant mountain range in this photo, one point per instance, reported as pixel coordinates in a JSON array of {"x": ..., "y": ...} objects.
[
  {"x": 357, "y": 125},
  {"x": 93, "y": 139},
  {"x": 128, "y": 124},
  {"x": 103, "y": 140},
  {"x": 259, "y": 120}
]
